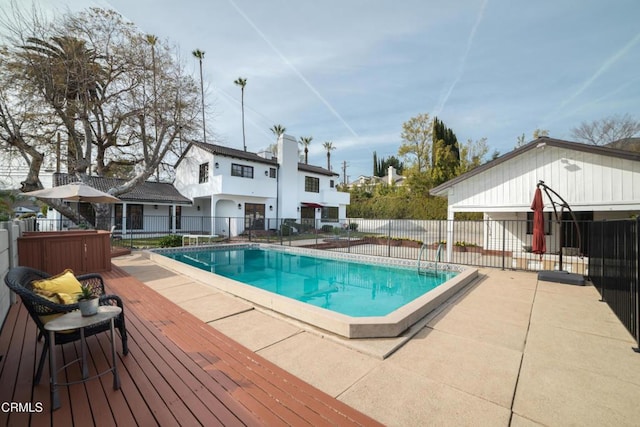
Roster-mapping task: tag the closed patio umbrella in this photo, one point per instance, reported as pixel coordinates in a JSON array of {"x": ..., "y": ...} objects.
[
  {"x": 76, "y": 191},
  {"x": 538, "y": 245}
]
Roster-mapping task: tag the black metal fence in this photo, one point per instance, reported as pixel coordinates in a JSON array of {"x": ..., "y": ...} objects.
[
  {"x": 614, "y": 269},
  {"x": 502, "y": 244}
]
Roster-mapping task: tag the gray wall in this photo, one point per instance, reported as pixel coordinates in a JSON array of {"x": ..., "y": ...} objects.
[{"x": 9, "y": 233}]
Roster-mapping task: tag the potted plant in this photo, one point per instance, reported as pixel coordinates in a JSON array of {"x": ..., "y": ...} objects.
[
  {"x": 460, "y": 246},
  {"x": 87, "y": 301}
]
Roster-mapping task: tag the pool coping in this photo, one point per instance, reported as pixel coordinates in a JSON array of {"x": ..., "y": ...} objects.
[{"x": 391, "y": 325}]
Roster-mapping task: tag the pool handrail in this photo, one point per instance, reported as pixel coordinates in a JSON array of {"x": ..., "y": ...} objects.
[{"x": 438, "y": 255}]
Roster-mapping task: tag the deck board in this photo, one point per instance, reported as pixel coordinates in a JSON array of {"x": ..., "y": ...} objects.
[{"x": 179, "y": 371}]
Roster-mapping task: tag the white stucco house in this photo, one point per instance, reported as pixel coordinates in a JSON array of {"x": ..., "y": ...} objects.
[
  {"x": 242, "y": 190},
  {"x": 597, "y": 183}
]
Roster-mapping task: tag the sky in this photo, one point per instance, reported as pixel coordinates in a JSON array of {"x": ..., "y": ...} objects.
[{"x": 353, "y": 71}]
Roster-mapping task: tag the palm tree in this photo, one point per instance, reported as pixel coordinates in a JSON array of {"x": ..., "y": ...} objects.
[
  {"x": 305, "y": 141},
  {"x": 329, "y": 147},
  {"x": 69, "y": 75},
  {"x": 242, "y": 83},
  {"x": 278, "y": 130},
  {"x": 199, "y": 54}
]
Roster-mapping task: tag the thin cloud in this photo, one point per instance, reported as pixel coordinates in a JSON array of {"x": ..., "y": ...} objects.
[
  {"x": 603, "y": 68},
  {"x": 293, "y": 68},
  {"x": 463, "y": 61}
]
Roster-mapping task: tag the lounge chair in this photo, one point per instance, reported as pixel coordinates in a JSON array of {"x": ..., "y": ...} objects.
[{"x": 20, "y": 279}]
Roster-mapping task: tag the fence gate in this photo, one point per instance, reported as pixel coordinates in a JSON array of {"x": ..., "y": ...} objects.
[{"x": 614, "y": 269}]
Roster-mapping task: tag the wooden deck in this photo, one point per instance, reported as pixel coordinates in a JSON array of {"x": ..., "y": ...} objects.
[{"x": 179, "y": 371}]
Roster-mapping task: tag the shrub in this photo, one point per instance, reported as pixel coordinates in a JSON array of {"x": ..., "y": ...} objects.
[
  {"x": 170, "y": 241},
  {"x": 353, "y": 226},
  {"x": 327, "y": 228},
  {"x": 286, "y": 230}
]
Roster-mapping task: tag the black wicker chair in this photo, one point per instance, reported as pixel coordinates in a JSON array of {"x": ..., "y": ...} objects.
[{"x": 19, "y": 280}]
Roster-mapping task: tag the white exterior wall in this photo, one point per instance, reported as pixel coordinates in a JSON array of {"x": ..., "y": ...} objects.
[
  {"x": 260, "y": 186},
  {"x": 289, "y": 197},
  {"x": 587, "y": 181},
  {"x": 187, "y": 174},
  {"x": 220, "y": 196}
]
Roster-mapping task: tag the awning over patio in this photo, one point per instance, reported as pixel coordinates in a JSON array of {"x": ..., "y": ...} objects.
[{"x": 311, "y": 205}]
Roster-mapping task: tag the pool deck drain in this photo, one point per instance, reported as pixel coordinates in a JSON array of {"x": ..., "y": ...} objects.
[{"x": 508, "y": 350}]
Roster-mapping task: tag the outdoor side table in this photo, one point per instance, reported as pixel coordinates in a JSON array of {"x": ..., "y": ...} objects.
[{"x": 75, "y": 320}]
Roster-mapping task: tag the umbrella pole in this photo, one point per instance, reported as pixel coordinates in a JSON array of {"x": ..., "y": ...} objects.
[
  {"x": 561, "y": 241},
  {"x": 562, "y": 205}
]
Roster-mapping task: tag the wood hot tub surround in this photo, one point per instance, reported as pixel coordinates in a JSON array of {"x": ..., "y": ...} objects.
[{"x": 83, "y": 251}]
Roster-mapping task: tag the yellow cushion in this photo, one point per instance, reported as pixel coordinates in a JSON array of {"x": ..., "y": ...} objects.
[
  {"x": 65, "y": 283},
  {"x": 67, "y": 298},
  {"x": 58, "y": 299}
]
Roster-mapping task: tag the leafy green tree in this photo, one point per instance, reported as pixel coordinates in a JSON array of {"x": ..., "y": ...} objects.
[
  {"x": 537, "y": 133},
  {"x": 445, "y": 156},
  {"x": 382, "y": 167},
  {"x": 416, "y": 142},
  {"x": 376, "y": 171},
  {"x": 472, "y": 155}
]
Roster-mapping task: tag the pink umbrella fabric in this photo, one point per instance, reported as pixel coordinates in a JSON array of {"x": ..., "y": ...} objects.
[{"x": 538, "y": 245}]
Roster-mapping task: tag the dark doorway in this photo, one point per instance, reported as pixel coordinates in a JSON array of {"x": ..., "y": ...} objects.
[
  {"x": 308, "y": 216},
  {"x": 253, "y": 216},
  {"x": 570, "y": 235}
]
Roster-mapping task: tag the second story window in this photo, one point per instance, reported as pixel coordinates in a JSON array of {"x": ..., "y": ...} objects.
[
  {"x": 272, "y": 172},
  {"x": 311, "y": 184},
  {"x": 331, "y": 183},
  {"x": 203, "y": 175},
  {"x": 241, "y": 170}
]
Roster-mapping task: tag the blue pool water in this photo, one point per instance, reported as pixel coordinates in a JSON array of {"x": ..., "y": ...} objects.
[{"x": 350, "y": 288}]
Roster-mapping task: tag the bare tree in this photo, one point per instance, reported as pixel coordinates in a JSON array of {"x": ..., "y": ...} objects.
[
  {"x": 88, "y": 73},
  {"x": 607, "y": 130}
]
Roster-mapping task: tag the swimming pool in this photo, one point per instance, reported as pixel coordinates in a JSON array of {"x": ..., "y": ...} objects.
[
  {"x": 351, "y": 295},
  {"x": 344, "y": 286}
]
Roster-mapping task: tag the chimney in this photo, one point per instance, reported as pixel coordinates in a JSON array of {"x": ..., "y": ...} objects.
[{"x": 391, "y": 175}]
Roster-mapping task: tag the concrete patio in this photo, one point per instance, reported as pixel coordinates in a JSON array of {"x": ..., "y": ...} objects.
[{"x": 508, "y": 350}]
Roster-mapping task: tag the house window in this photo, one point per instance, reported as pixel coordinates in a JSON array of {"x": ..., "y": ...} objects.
[
  {"x": 547, "y": 223},
  {"x": 272, "y": 172},
  {"x": 134, "y": 217},
  {"x": 241, "y": 170},
  {"x": 311, "y": 184},
  {"x": 203, "y": 175},
  {"x": 329, "y": 214},
  {"x": 331, "y": 183}
]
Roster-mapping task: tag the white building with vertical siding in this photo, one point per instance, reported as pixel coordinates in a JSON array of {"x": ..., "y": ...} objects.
[{"x": 596, "y": 182}]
